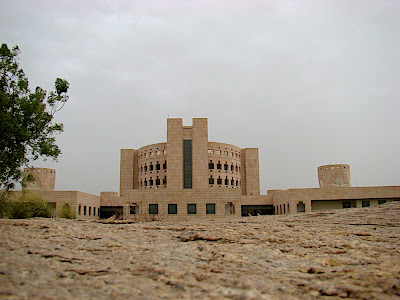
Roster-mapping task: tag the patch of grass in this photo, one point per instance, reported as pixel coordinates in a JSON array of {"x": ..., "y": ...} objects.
[
  {"x": 67, "y": 212},
  {"x": 28, "y": 205}
]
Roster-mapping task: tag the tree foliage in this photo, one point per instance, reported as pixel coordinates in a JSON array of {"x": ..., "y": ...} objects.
[{"x": 26, "y": 118}]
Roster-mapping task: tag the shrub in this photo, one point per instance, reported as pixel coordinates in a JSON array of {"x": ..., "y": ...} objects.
[
  {"x": 67, "y": 212},
  {"x": 3, "y": 203},
  {"x": 28, "y": 205}
]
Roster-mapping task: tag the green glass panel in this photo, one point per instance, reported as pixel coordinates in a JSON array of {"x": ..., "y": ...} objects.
[
  {"x": 210, "y": 209},
  {"x": 191, "y": 209},
  {"x": 172, "y": 209}
]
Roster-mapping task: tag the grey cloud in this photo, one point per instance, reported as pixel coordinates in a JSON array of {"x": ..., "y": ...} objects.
[{"x": 309, "y": 83}]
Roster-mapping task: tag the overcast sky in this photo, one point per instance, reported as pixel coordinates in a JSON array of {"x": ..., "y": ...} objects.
[{"x": 307, "y": 82}]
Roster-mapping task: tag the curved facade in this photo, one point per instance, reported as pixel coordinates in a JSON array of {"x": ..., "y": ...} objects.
[
  {"x": 189, "y": 161},
  {"x": 152, "y": 166},
  {"x": 224, "y": 165},
  {"x": 337, "y": 175}
]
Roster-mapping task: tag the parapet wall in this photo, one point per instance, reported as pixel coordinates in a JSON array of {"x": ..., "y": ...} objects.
[
  {"x": 110, "y": 199},
  {"x": 44, "y": 178},
  {"x": 337, "y": 175}
]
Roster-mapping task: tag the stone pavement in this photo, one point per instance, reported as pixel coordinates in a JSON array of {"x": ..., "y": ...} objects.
[{"x": 352, "y": 253}]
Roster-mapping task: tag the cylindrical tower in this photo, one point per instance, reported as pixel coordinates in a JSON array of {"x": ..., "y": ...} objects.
[
  {"x": 44, "y": 178},
  {"x": 337, "y": 175},
  {"x": 152, "y": 166}
]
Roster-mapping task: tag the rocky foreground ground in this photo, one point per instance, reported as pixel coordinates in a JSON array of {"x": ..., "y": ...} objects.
[{"x": 353, "y": 253}]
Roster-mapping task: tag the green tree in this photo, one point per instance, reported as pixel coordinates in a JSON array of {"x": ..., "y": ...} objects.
[{"x": 26, "y": 119}]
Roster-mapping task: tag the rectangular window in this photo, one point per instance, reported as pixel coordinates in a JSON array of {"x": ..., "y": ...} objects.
[
  {"x": 210, "y": 208},
  {"x": 172, "y": 209},
  {"x": 230, "y": 208},
  {"x": 381, "y": 202},
  {"x": 346, "y": 204},
  {"x": 79, "y": 209},
  {"x": 132, "y": 209},
  {"x": 365, "y": 203},
  {"x": 187, "y": 164},
  {"x": 191, "y": 209},
  {"x": 90, "y": 210},
  {"x": 84, "y": 210},
  {"x": 94, "y": 211},
  {"x": 153, "y": 209}
]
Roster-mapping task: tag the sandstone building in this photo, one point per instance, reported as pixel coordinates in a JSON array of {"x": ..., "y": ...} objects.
[
  {"x": 85, "y": 206},
  {"x": 190, "y": 177},
  {"x": 335, "y": 192}
]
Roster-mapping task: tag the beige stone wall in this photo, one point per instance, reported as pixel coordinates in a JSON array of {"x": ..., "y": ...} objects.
[
  {"x": 74, "y": 199},
  {"x": 337, "y": 175},
  {"x": 175, "y": 154},
  {"x": 221, "y": 198},
  {"x": 44, "y": 178},
  {"x": 337, "y": 204},
  {"x": 326, "y": 205},
  {"x": 135, "y": 169},
  {"x": 92, "y": 203},
  {"x": 199, "y": 154},
  {"x": 256, "y": 200},
  {"x": 126, "y": 170},
  {"x": 251, "y": 181},
  {"x": 292, "y": 197},
  {"x": 110, "y": 199}
]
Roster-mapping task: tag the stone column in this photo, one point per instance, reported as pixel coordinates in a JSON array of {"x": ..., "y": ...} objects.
[
  {"x": 174, "y": 154},
  {"x": 251, "y": 180},
  {"x": 126, "y": 170},
  {"x": 200, "y": 153}
]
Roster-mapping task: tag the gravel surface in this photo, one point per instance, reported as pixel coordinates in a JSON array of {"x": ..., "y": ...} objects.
[{"x": 352, "y": 253}]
